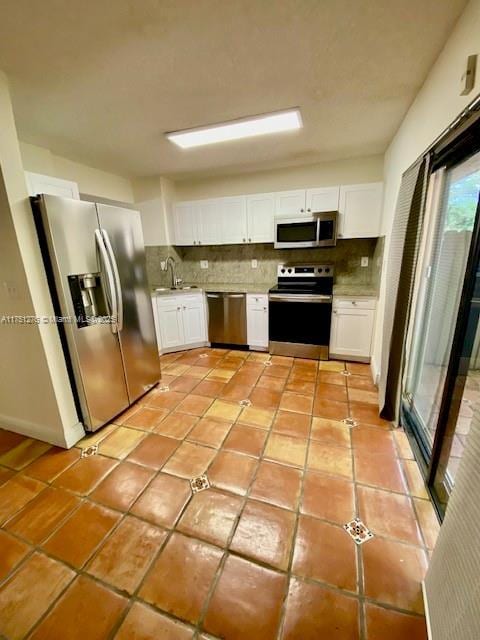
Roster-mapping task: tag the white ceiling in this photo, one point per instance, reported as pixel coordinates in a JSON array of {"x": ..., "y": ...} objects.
[{"x": 100, "y": 81}]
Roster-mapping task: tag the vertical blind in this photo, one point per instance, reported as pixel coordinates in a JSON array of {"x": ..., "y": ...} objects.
[{"x": 400, "y": 273}]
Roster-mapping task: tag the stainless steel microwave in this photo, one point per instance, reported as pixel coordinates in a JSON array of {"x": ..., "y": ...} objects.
[{"x": 319, "y": 230}]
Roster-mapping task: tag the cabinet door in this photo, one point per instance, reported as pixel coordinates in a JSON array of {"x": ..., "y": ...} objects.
[
  {"x": 193, "y": 315},
  {"x": 157, "y": 323},
  {"x": 290, "y": 203},
  {"x": 257, "y": 320},
  {"x": 38, "y": 183},
  {"x": 360, "y": 209},
  {"x": 233, "y": 213},
  {"x": 351, "y": 333},
  {"x": 260, "y": 215},
  {"x": 209, "y": 222},
  {"x": 170, "y": 321},
  {"x": 322, "y": 199},
  {"x": 185, "y": 217}
]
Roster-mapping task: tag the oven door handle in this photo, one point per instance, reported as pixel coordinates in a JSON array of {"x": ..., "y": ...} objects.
[{"x": 316, "y": 299}]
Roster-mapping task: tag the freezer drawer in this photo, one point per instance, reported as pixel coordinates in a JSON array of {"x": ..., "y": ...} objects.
[{"x": 227, "y": 318}]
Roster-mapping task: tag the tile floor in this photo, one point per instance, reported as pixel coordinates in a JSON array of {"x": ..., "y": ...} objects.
[{"x": 115, "y": 545}]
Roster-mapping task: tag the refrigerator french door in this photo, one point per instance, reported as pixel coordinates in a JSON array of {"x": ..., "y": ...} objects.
[{"x": 95, "y": 259}]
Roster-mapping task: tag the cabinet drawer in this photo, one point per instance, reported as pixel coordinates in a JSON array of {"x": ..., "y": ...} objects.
[
  {"x": 257, "y": 300},
  {"x": 354, "y": 303}
]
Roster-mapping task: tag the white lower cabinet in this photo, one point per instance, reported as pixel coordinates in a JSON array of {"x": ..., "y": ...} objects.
[
  {"x": 180, "y": 321},
  {"x": 257, "y": 321},
  {"x": 352, "y": 328}
]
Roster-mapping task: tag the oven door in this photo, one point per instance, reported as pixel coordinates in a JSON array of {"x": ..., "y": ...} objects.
[
  {"x": 295, "y": 232},
  {"x": 299, "y": 325}
]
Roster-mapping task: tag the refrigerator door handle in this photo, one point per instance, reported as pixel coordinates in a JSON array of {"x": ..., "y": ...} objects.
[
  {"x": 118, "y": 286},
  {"x": 111, "y": 290}
]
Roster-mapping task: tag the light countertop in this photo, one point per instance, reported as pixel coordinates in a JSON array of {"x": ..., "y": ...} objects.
[{"x": 357, "y": 290}]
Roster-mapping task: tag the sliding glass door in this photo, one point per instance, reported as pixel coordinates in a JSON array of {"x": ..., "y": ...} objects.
[{"x": 433, "y": 352}]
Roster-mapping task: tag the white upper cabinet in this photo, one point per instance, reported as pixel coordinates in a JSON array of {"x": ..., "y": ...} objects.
[
  {"x": 260, "y": 215},
  {"x": 360, "y": 210},
  {"x": 38, "y": 183},
  {"x": 209, "y": 222},
  {"x": 323, "y": 199},
  {"x": 234, "y": 220},
  {"x": 185, "y": 218},
  {"x": 290, "y": 203}
]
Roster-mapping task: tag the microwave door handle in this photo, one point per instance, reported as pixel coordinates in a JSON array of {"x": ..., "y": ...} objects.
[
  {"x": 116, "y": 276},
  {"x": 318, "y": 232},
  {"x": 110, "y": 292}
]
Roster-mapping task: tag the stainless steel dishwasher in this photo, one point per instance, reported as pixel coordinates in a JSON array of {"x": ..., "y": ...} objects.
[{"x": 227, "y": 318}]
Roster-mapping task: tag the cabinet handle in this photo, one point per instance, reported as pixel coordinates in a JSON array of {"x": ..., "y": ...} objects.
[
  {"x": 301, "y": 210},
  {"x": 199, "y": 242},
  {"x": 249, "y": 239},
  {"x": 194, "y": 242},
  {"x": 178, "y": 308},
  {"x": 184, "y": 307},
  {"x": 308, "y": 210},
  {"x": 264, "y": 308},
  {"x": 354, "y": 302},
  {"x": 334, "y": 311},
  {"x": 244, "y": 240}
]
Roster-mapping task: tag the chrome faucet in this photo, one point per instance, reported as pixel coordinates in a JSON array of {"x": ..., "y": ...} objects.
[{"x": 176, "y": 282}]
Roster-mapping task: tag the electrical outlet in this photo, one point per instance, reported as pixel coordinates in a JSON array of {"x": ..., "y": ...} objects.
[
  {"x": 364, "y": 262},
  {"x": 163, "y": 265},
  {"x": 203, "y": 264},
  {"x": 254, "y": 263}
]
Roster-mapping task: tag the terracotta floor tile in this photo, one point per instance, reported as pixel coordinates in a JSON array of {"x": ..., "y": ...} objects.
[
  {"x": 146, "y": 418},
  {"x": 388, "y": 514},
  {"x": 246, "y": 440},
  {"x": 181, "y": 577},
  {"x": 77, "y": 538},
  {"x": 330, "y": 431},
  {"x": 40, "y": 517},
  {"x": 83, "y": 476},
  {"x": 326, "y": 391},
  {"x": 209, "y": 432},
  {"x": 279, "y": 371},
  {"x": 286, "y": 449},
  {"x": 234, "y": 392},
  {"x": 5, "y": 474},
  {"x": 368, "y": 414},
  {"x": 232, "y": 472},
  {"x": 198, "y": 371},
  {"x": 290, "y": 423},
  {"x": 296, "y": 402},
  {"x": 52, "y": 463},
  {"x": 380, "y": 470},
  {"x": 393, "y": 573},
  {"x": 328, "y": 497},
  {"x": 246, "y": 377},
  {"x": 124, "y": 558},
  {"x": 13, "y": 551},
  {"x": 9, "y": 440},
  {"x": 185, "y": 383},
  {"x": 222, "y": 375},
  {"x": 121, "y": 442},
  {"x": 24, "y": 453},
  {"x": 363, "y": 395},
  {"x": 166, "y": 399},
  {"x": 274, "y": 384},
  {"x": 286, "y": 361},
  {"x": 163, "y": 500},
  {"x": 277, "y": 484},
  {"x": 428, "y": 521},
  {"x": 359, "y": 369},
  {"x": 265, "y": 533},
  {"x": 325, "y": 552},
  {"x": 86, "y": 610},
  {"x": 403, "y": 445},
  {"x": 122, "y": 486},
  {"x": 361, "y": 382},
  {"x": 331, "y": 377},
  {"x": 331, "y": 409},
  {"x": 176, "y": 425},
  {"x": 154, "y": 451},
  {"x": 16, "y": 493},
  {"x": 314, "y": 613},
  {"x": 384, "y": 623},
  {"x": 176, "y": 368},
  {"x": 330, "y": 459},
  {"x": 257, "y": 417},
  {"x": 265, "y": 398},
  {"x": 300, "y": 386},
  {"x": 331, "y": 365},
  {"x": 211, "y": 516},
  {"x": 209, "y": 388},
  {"x": 224, "y": 410},
  {"x": 101, "y": 434},
  {"x": 194, "y": 405},
  {"x": 143, "y": 623},
  {"x": 372, "y": 439},
  {"x": 254, "y": 593},
  {"x": 190, "y": 460},
  {"x": 26, "y": 596},
  {"x": 415, "y": 481},
  {"x": 302, "y": 375}
]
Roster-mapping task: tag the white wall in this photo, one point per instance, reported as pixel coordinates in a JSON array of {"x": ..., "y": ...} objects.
[
  {"x": 91, "y": 181},
  {"x": 435, "y": 107},
  {"x": 35, "y": 394}
]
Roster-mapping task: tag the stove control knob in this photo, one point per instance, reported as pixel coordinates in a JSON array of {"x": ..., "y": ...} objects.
[
  {"x": 327, "y": 270},
  {"x": 320, "y": 270},
  {"x": 289, "y": 271},
  {"x": 282, "y": 270}
]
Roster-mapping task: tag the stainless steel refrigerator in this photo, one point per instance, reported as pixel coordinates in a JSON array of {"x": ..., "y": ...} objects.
[{"x": 94, "y": 256}]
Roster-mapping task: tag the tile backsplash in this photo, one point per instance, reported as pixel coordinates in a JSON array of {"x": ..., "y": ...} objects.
[{"x": 233, "y": 263}]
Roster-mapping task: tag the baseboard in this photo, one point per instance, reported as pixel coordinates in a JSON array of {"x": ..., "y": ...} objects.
[
  {"x": 375, "y": 370},
  {"x": 40, "y": 432},
  {"x": 184, "y": 347},
  {"x": 427, "y": 612}
]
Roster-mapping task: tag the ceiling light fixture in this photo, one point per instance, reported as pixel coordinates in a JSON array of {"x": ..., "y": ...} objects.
[{"x": 277, "y": 122}]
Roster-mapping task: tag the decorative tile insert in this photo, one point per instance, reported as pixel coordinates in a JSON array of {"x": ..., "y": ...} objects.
[
  {"x": 358, "y": 531},
  {"x": 345, "y": 373},
  {"x": 163, "y": 388},
  {"x": 245, "y": 403},
  {"x": 350, "y": 422},
  {"x": 200, "y": 483},
  {"x": 92, "y": 450}
]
